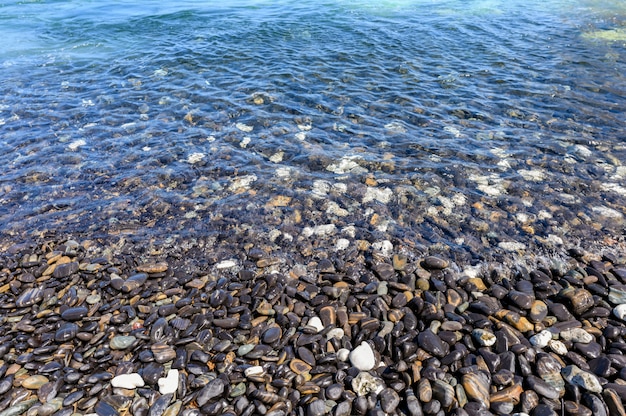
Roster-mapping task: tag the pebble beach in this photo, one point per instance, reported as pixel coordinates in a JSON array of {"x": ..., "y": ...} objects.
[{"x": 390, "y": 208}]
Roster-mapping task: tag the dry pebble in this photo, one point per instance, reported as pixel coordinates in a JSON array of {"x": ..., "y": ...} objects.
[{"x": 376, "y": 331}]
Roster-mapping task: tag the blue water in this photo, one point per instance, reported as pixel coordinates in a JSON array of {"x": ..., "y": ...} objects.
[{"x": 469, "y": 126}]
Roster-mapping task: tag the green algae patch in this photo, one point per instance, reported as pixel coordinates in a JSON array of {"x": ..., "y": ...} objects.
[{"x": 611, "y": 35}]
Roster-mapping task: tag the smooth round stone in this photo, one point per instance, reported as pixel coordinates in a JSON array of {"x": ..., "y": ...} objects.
[
  {"x": 169, "y": 384},
  {"x": 316, "y": 323},
  {"x": 538, "y": 311},
  {"x": 66, "y": 332},
  {"x": 577, "y": 377},
  {"x": 93, "y": 299},
  {"x": 272, "y": 334},
  {"x": 520, "y": 299},
  {"x": 432, "y": 344},
  {"x": 434, "y": 263},
  {"x": 541, "y": 387},
  {"x": 389, "y": 400},
  {"x": 121, "y": 342},
  {"x": 334, "y": 391},
  {"x": 163, "y": 352},
  {"x": 215, "y": 388},
  {"x": 343, "y": 354},
  {"x": 75, "y": 314},
  {"x": 484, "y": 337},
  {"x": 328, "y": 315},
  {"x": 362, "y": 357},
  {"x": 299, "y": 367},
  {"x": 476, "y": 387},
  {"x": 316, "y": 408},
  {"x": 541, "y": 339},
  {"x": 128, "y": 381},
  {"x": 600, "y": 366},
  {"x": 443, "y": 392},
  {"x": 34, "y": 382},
  {"x": 226, "y": 323},
  {"x": 244, "y": 349},
  {"x": 620, "y": 311},
  {"x": 590, "y": 350}
]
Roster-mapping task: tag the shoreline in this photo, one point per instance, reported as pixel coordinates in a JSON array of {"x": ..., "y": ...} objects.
[{"x": 369, "y": 331}]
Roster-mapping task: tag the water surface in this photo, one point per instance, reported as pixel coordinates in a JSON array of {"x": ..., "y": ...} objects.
[{"x": 464, "y": 126}]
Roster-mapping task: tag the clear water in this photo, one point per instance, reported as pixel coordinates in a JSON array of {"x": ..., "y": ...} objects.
[{"x": 472, "y": 126}]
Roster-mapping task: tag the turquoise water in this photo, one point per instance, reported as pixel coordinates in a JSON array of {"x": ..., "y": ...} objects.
[{"x": 470, "y": 125}]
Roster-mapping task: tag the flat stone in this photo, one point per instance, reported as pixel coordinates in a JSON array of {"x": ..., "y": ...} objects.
[
  {"x": 75, "y": 314},
  {"x": 128, "y": 381},
  {"x": 541, "y": 387},
  {"x": 215, "y": 388},
  {"x": 65, "y": 270},
  {"x": 577, "y": 377},
  {"x": 162, "y": 352},
  {"x": 362, "y": 357},
  {"x": 152, "y": 268},
  {"x": 121, "y": 342},
  {"x": 576, "y": 335},
  {"x": 34, "y": 382}
]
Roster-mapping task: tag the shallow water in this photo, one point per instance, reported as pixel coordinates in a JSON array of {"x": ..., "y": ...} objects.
[{"x": 466, "y": 126}]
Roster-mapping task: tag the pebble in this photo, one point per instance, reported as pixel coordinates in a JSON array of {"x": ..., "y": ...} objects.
[
  {"x": 34, "y": 382},
  {"x": 169, "y": 384},
  {"x": 620, "y": 311},
  {"x": 577, "y": 377},
  {"x": 541, "y": 339},
  {"x": 316, "y": 323},
  {"x": 128, "y": 381},
  {"x": 576, "y": 335},
  {"x": 483, "y": 337},
  {"x": 362, "y": 357},
  {"x": 121, "y": 342},
  {"x": 403, "y": 334}
]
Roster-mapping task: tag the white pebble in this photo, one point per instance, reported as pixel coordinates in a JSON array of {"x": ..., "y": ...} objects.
[
  {"x": 169, "y": 384},
  {"x": 255, "y": 370},
  {"x": 128, "y": 381},
  {"x": 316, "y": 323},
  {"x": 335, "y": 333},
  {"x": 343, "y": 354},
  {"x": 541, "y": 339},
  {"x": 620, "y": 311},
  {"x": 244, "y": 127},
  {"x": 557, "y": 346},
  {"x": 576, "y": 335},
  {"x": 362, "y": 357}
]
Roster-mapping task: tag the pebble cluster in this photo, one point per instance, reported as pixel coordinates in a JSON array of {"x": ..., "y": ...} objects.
[{"x": 375, "y": 333}]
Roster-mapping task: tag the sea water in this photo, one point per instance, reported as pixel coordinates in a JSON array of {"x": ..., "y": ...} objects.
[{"x": 468, "y": 125}]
